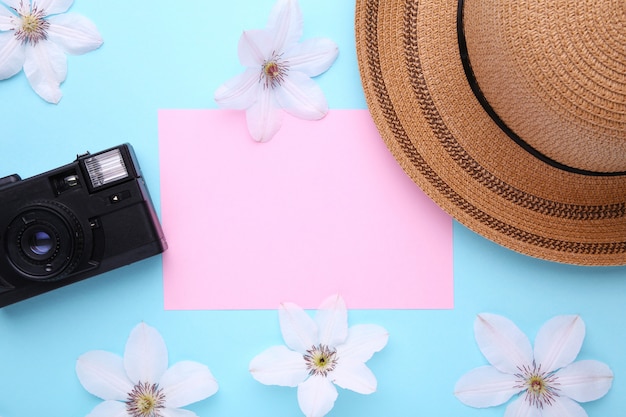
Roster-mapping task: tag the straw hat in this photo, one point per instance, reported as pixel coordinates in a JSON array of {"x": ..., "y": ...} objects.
[{"x": 510, "y": 114}]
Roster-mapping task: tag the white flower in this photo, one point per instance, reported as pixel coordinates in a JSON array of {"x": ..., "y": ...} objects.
[
  {"x": 278, "y": 74},
  {"x": 37, "y": 36},
  {"x": 320, "y": 352},
  {"x": 548, "y": 380},
  {"x": 140, "y": 384}
]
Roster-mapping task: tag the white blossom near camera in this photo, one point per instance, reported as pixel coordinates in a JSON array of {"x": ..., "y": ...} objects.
[
  {"x": 140, "y": 384},
  {"x": 546, "y": 379},
  {"x": 36, "y": 36},
  {"x": 320, "y": 352},
  {"x": 278, "y": 73}
]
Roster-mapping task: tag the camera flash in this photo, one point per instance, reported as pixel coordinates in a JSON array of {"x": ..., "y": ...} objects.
[{"x": 106, "y": 168}]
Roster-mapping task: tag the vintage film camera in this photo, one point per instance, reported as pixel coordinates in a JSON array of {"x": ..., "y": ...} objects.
[{"x": 74, "y": 222}]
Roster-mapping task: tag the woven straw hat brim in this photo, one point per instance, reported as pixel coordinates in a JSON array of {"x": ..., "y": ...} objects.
[{"x": 419, "y": 97}]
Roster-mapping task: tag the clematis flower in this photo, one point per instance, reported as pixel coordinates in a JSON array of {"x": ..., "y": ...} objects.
[
  {"x": 548, "y": 381},
  {"x": 318, "y": 353},
  {"x": 36, "y": 36},
  {"x": 140, "y": 384},
  {"x": 278, "y": 74}
]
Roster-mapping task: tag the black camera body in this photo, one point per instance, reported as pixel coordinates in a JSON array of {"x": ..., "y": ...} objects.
[{"x": 74, "y": 222}]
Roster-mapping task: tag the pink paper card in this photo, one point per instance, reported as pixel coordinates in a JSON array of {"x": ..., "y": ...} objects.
[{"x": 322, "y": 208}]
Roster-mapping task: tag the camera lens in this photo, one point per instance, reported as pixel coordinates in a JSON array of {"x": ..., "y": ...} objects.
[
  {"x": 41, "y": 243},
  {"x": 38, "y": 242},
  {"x": 44, "y": 242}
]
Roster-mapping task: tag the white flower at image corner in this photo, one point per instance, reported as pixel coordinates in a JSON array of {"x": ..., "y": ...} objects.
[
  {"x": 140, "y": 384},
  {"x": 278, "y": 73},
  {"x": 548, "y": 381},
  {"x": 320, "y": 352},
  {"x": 37, "y": 36}
]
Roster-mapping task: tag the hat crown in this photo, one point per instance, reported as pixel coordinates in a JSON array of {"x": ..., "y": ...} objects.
[{"x": 554, "y": 73}]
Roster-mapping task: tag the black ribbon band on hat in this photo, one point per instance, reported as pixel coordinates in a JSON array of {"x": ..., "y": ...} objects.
[{"x": 471, "y": 78}]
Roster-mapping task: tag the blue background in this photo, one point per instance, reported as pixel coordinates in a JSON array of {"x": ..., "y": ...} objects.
[{"x": 174, "y": 55}]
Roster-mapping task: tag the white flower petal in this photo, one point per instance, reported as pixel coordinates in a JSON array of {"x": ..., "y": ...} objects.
[
  {"x": 109, "y": 409},
  {"x": 502, "y": 343},
  {"x": 354, "y": 375},
  {"x": 585, "y": 380},
  {"x": 14, "y": 4},
  {"x": 316, "y": 396},
  {"x": 176, "y": 412},
  {"x": 485, "y": 387},
  {"x": 145, "y": 355},
  {"x": 332, "y": 321},
  {"x": 563, "y": 407},
  {"x": 279, "y": 366},
  {"x": 240, "y": 92},
  {"x": 187, "y": 382},
  {"x": 11, "y": 55},
  {"x": 298, "y": 328},
  {"x": 301, "y": 97},
  {"x": 263, "y": 117},
  {"x": 7, "y": 21},
  {"x": 313, "y": 56},
  {"x": 254, "y": 48},
  {"x": 558, "y": 342},
  {"x": 74, "y": 33},
  {"x": 103, "y": 375},
  {"x": 286, "y": 22},
  {"x": 363, "y": 341},
  {"x": 45, "y": 66},
  {"x": 521, "y": 408},
  {"x": 54, "y": 6}
]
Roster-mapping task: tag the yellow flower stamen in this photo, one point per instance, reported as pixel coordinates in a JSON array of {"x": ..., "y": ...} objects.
[
  {"x": 32, "y": 26},
  {"x": 274, "y": 71},
  {"x": 145, "y": 400},
  {"x": 540, "y": 388},
  {"x": 320, "y": 360}
]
